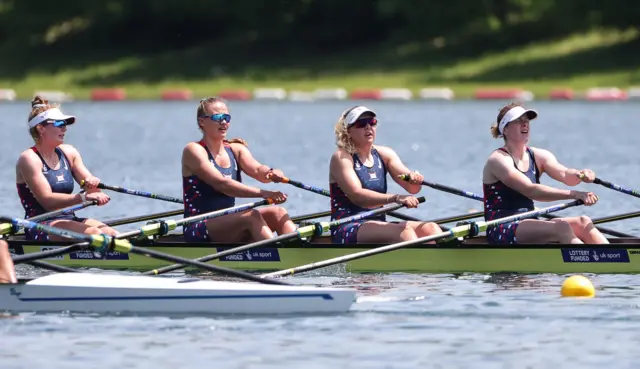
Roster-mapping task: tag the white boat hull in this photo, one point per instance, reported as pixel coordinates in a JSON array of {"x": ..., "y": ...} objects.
[{"x": 123, "y": 294}]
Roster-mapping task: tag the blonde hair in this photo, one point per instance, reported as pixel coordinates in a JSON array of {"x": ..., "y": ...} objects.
[
  {"x": 202, "y": 106},
  {"x": 343, "y": 140},
  {"x": 495, "y": 132},
  {"x": 38, "y": 105}
]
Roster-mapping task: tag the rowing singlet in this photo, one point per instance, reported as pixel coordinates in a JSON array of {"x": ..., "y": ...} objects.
[
  {"x": 199, "y": 197},
  {"x": 372, "y": 178},
  {"x": 498, "y": 198},
  {"x": 61, "y": 181},
  {"x": 501, "y": 201}
]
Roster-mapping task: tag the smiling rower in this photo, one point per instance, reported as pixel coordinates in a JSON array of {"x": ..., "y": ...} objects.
[
  {"x": 211, "y": 180},
  {"x": 511, "y": 182},
  {"x": 45, "y": 174}
]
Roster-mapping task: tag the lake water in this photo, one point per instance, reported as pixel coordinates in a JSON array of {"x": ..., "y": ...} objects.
[{"x": 400, "y": 320}]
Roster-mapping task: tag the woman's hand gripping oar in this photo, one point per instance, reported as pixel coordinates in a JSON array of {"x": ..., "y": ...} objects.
[
  {"x": 473, "y": 196},
  {"x": 323, "y": 192}
]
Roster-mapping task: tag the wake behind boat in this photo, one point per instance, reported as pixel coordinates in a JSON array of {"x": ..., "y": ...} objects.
[{"x": 126, "y": 294}]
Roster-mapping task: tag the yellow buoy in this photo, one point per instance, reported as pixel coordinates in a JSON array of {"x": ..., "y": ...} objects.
[{"x": 577, "y": 286}]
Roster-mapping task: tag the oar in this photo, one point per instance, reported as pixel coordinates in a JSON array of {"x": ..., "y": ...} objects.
[
  {"x": 103, "y": 243},
  {"x": 26, "y": 258},
  {"x": 613, "y": 218},
  {"x": 616, "y": 187},
  {"x": 445, "y": 188},
  {"x": 53, "y": 267},
  {"x": 460, "y": 231},
  {"x": 165, "y": 226},
  {"x": 137, "y": 193},
  {"x": 6, "y": 228},
  {"x": 301, "y": 218},
  {"x": 477, "y": 197},
  {"x": 316, "y": 229},
  {"x": 142, "y": 218},
  {"x": 326, "y": 193}
]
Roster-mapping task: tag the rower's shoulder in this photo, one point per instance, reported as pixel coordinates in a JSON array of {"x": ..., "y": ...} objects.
[
  {"x": 498, "y": 157},
  {"x": 193, "y": 147},
  {"x": 539, "y": 153},
  {"x": 341, "y": 154},
  {"x": 68, "y": 150},
  {"x": 385, "y": 151},
  {"x": 28, "y": 157}
]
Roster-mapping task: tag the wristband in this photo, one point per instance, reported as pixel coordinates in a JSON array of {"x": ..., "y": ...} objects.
[{"x": 83, "y": 197}]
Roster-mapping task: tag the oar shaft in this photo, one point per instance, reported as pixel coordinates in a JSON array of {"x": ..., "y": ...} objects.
[
  {"x": 26, "y": 258},
  {"x": 6, "y": 228},
  {"x": 53, "y": 267},
  {"x": 448, "y": 189},
  {"x": 105, "y": 243},
  {"x": 326, "y": 193},
  {"x": 459, "y": 231},
  {"x": 166, "y": 226},
  {"x": 613, "y": 186},
  {"x": 142, "y": 218},
  {"x": 204, "y": 259},
  {"x": 149, "y": 195}
]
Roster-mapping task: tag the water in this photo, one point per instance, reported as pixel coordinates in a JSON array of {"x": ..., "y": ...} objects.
[{"x": 400, "y": 320}]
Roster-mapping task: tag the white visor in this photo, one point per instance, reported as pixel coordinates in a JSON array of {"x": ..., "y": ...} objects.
[
  {"x": 51, "y": 114},
  {"x": 513, "y": 114},
  {"x": 355, "y": 113}
]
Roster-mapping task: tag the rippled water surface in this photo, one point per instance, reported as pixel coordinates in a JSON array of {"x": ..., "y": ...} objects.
[{"x": 399, "y": 320}]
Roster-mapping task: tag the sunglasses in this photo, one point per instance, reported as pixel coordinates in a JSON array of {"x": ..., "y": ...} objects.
[
  {"x": 363, "y": 122},
  {"x": 218, "y": 117},
  {"x": 56, "y": 123}
]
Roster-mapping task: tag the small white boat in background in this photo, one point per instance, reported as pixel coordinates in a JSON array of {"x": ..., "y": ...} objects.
[{"x": 125, "y": 294}]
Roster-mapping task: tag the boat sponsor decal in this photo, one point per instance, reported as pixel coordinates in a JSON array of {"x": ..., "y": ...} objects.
[
  {"x": 95, "y": 255},
  {"x": 263, "y": 254},
  {"x": 577, "y": 255}
]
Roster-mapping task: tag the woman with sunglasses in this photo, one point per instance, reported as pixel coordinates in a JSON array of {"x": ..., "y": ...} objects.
[
  {"x": 358, "y": 181},
  {"x": 211, "y": 178},
  {"x": 511, "y": 182},
  {"x": 45, "y": 174}
]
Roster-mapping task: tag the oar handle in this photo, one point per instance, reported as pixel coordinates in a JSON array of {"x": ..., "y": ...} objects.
[
  {"x": 445, "y": 188},
  {"x": 149, "y": 195}
]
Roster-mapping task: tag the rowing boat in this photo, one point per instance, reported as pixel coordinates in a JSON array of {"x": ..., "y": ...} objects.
[
  {"x": 128, "y": 294},
  {"x": 471, "y": 255}
]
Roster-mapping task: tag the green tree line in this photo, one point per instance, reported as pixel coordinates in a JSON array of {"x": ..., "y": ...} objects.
[{"x": 33, "y": 26}]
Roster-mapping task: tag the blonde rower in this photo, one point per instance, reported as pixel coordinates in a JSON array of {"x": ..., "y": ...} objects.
[
  {"x": 212, "y": 179},
  {"x": 358, "y": 181}
]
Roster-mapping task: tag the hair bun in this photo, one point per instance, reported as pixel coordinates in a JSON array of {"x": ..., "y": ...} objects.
[{"x": 39, "y": 101}]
